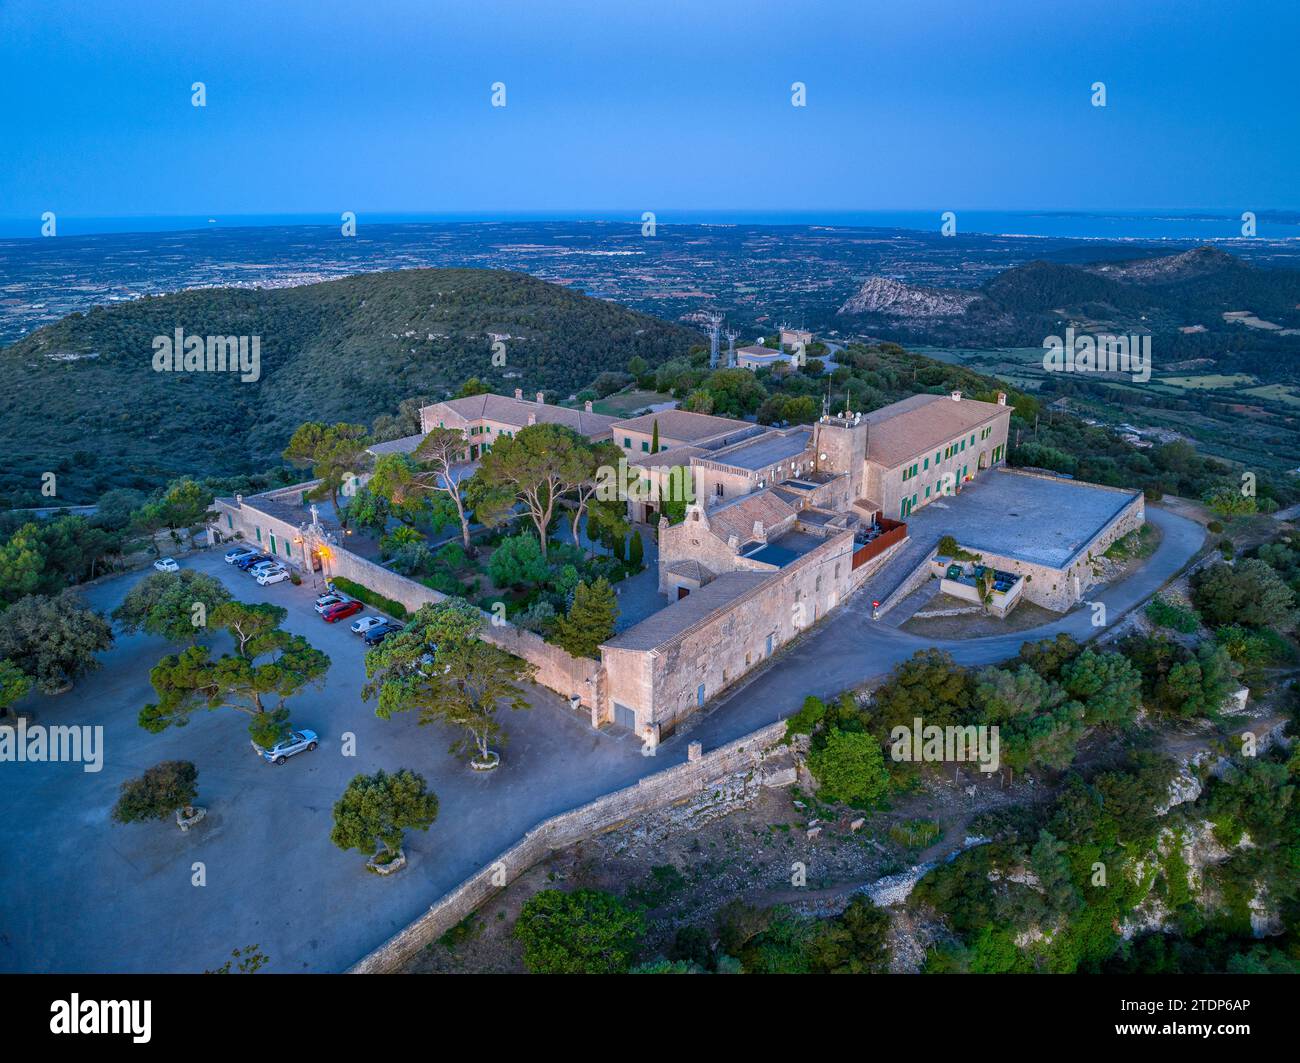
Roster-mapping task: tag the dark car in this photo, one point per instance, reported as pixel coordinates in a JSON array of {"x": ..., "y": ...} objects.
[
  {"x": 338, "y": 612},
  {"x": 246, "y": 563},
  {"x": 379, "y": 632}
]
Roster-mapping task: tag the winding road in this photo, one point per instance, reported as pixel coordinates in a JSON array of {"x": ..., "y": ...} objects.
[{"x": 83, "y": 894}]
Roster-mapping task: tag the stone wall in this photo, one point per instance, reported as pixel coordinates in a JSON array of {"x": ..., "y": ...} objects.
[
  {"x": 717, "y": 653},
  {"x": 605, "y": 813},
  {"x": 1059, "y": 588}
]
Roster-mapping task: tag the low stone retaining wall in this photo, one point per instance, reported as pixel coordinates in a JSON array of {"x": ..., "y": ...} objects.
[{"x": 604, "y": 814}]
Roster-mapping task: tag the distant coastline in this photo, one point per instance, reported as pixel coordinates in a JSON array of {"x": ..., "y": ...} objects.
[{"x": 1154, "y": 224}]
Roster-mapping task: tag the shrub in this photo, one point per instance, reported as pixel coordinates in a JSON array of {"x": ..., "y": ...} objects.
[
  {"x": 915, "y": 833},
  {"x": 850, "y": 768},
  {"x": 371, "y": 598},
  {"x": 583, "y": 932},
  {"x": 1164, "y": 613},
  {"x": 162, "y": 790}
]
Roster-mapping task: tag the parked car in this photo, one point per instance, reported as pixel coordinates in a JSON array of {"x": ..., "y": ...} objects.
[
  {"x": 326, "y": 600},
  {"x": 248, "y": 562},
  {"x": 265, "y": 566},
  {"x": 292, "y": 744},
  {"x": 238, "y": 553},
  {"x": 339, "y": 611},
  {"x": 360, "y": 627},
  {"x": 271, "y": 575},
  {"x": 166, "y": 564},
  {"x": 379, "y": 632}
]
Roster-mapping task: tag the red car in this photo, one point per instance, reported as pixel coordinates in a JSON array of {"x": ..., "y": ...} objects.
[{"x": 338, "y": 612}]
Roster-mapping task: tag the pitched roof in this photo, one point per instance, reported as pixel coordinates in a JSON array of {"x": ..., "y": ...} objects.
[
  {"x": 405, "y": 445},
  {"x": 696, "y": 608},
  {"x": 737, "y": 518},
  {"x": 516, "y": 412},
  {"x": 682, "y": 424},
  {"x": 691, "y": 570},
  {"x": 923, "y": 423}
]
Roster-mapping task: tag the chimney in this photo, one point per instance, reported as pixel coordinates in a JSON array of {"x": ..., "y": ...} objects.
[
  {"x": 587, "y": 405},
  {"x": 541, "y": 398},
  {"x": 532, "y": 418},
  {"x": 956, "y": 396},
  {"x": 1002, "y": 398},
  {"x": 519, "y": 394}
]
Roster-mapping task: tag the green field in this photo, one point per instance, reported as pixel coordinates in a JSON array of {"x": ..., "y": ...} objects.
[
  {"x": 1276, "y": 392},
  {"x": 626, "y": 403},
  {"x": 1209, "y": 380}
]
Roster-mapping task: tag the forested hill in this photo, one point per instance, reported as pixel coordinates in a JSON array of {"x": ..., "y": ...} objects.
[{"x": 82, "y": 398}]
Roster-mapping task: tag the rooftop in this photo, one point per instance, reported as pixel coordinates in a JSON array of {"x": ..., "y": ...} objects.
[
  {"x": 739, "y": 516},
  {"x": 682, "y": 425},
  {"x": 405, "y": 445},
  {"x": 786, "y": 548},
  {"x": 681, "y": 616},
  {"x": 920, "y": 423},
  {"x": 516, "y": 412},
  {"x": 1036, "y": 519},
  {"x": 768, "y": 449}
]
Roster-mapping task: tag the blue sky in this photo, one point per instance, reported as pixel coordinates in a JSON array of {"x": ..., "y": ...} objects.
[{"x": 316, "y": 106}]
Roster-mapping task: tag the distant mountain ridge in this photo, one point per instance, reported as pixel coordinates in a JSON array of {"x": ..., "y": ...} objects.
[
  {"x": 1162, "y": 295},
  {"x": 83, "y": 399}
]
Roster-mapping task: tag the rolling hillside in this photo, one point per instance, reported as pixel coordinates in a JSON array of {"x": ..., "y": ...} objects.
[
  {"x": 82, "y": 398},
  {"x": 1202, "y": 303}
]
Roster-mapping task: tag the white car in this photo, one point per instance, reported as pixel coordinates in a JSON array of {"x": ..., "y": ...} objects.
[
  {"x": 268, "y": 576},
  {"x": 326, "y": 600},
  {"x": 294, "y": 742},
  {"x": 360, "y": 627},
  {"x": 238, "y": 553},
  {"x": 265, "y": 566},
  {"x": 166, "y": 564}
]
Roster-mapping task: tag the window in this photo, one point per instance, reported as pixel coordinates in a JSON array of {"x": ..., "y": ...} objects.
[
  {"x": 627, "y": 443},
  {"x": 230, "y": 522},
  {"x": 927, "y": 463},
  {"x": 936, "y": 457},
  {"x": 699, "y": 695},
  {"x": 259, "y": 534},
  {"x": 972, "y": 439},
  {"x": 645, "y": 447},
  {"x": 718, "y": 489}
]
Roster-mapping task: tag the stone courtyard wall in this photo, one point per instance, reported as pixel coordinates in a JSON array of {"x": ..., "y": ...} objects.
[
  {"x": 673, "y": 785},
  {"x": 1054, "y": 587}
]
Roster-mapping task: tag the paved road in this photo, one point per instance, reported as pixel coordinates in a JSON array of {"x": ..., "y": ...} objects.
[{"x": 84, "y": 894}]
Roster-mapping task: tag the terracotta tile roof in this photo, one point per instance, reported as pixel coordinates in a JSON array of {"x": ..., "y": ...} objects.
[
  {"x": 737, "y": 518},
  {"x": 682, "y": 425},
  {"x": 515, "y": 412},
  {"x": 923, "y": 423},
  {"x": 691, "y": 570}
]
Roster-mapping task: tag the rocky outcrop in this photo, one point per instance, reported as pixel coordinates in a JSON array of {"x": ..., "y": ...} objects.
[{"x": 883, "y": 295}]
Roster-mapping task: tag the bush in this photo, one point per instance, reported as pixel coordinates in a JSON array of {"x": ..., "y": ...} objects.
[
  {"x": 915, "y": 833},
  {"x": 364, "y": 594},
  {"x": 1168, "y": 614},
  {"x": 583, "y": 932},
  {"x": 850, "y": 768},
  {"x": 162, "y": 790}
]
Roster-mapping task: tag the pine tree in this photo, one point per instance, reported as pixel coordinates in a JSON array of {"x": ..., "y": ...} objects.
[
  {"x": 636, "y": 551},
  {"x": 590, "y": 621},
  {"x": 654, "y": 438}
]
